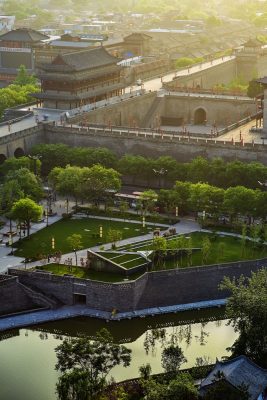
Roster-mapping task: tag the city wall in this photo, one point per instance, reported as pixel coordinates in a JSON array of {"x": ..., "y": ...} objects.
[
  {"x": 182, "y": 149},
  {"x": 208, "y": 78},
  {"x": 153, "y": 289},
  {"x": 136, "y": 142},
  {"x": 126, "y": 113},
  {"x": 219, "y": 109},
  {"x": 13, "y": 298}
]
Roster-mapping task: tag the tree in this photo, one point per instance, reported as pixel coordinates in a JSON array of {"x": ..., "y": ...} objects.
[
  {"x": 75, "y": 243},
  {"x": 182, "y": 388},
  {"x": 239, "y": 200},
  {"x": 147, "y": 200},
  {"x": 254, "y": 89},
  {"x": 159, "y": 247},
  {"x": 99, "y": 182},
  {"x": 10, "y": 192},
  {"x": 145, "y": 371},
  {"x": 205, "y": 250},
  {"x": 168, "y": 199},
  {"x": 14, "y": 95},
  {"x": 13, "y": 164},
  {"x": 172, "y": 358},
  {"x": 247, "y": 310},
  {"x": 68, "y": 181},
  {"x": 26, "y": 211},
  {"x": 23, "y": 78},
  {"x": 28, "y": 183},
  {"x": 113, "y": 236},
  {"x": 85, "y": 364}
]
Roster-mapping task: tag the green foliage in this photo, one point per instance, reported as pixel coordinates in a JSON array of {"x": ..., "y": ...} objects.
[
  {"x": 85, "y": 363},
  {"x": 23, "y": 78},
  {"x": 254, "y": 89},
  {"x": 113, "y": 236},
  {"x": 19, "y": 183},
  {"x": 60, "y": 155},
  {"x": 145, "y": 371},
  {"x": 147, "y": 201},
  {"x": 222, "y": 390},
  {"x": 247, "y": 310},
  {"x": 26, "y": 210},
  {"x": 93, "y": 184},
  {"x": 213, "y": 21},
  {"x": 205, "y": 250},
  {"x": 187, "y": 62},
  {"x": 172, "y": 358},
  {"x": 75, "y": 241},
  {"x": 14, "y": 95},
  {"x": 182, "y": 388},
  {"x": 215, "y": 172}
]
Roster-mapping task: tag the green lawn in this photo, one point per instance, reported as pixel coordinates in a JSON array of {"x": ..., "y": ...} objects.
[
  {"x": 223, "y": 249},
  {"x": 79, "y": 272},
  {"x": 40, "y": 243}
]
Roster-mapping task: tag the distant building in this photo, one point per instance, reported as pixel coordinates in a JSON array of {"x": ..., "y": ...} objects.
[
  {"x": 137, "y": 44},
  {"x": 18, "y": 47},
  {"x": 78, "y": 78},
  {"x": 236, "y": 372},
  {"x": 6, "y": 22}
]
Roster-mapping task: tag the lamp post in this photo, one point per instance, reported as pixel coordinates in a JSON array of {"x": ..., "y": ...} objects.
[
  {"x": 67, "y": 206},
  {"x": 10, "y": 242},
  {"x": 144, "y": 222},
  {"x": 160, "y": 173},
  {"x": 34, "y": 159}
]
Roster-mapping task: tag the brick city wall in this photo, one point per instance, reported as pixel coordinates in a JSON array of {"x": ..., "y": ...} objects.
[
  {"x": 12, "y": 297},
  {"x": 153, "y": 289}
]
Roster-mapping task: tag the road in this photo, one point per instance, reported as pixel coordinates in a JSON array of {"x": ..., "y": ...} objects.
[{"x": 156, "y": 83}]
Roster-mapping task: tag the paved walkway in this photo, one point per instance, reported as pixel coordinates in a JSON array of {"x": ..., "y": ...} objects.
[
  {"x": 65, "y": 312},
  {"x": 185, "y": 226},
  {"x": 7, "y": 260}
]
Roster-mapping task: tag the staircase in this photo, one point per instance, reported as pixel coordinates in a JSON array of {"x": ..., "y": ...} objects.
[
  {"x": 153, "y": 110},
  {"x": 39, "y": 298}
]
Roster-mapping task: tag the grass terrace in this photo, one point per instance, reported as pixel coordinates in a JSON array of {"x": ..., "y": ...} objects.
[
  {"x": 223, "y": 249},
  {"x": 39, "y": 244},
  {"x": 83, "y": 273},
  {"x": 124, "y": 260}
]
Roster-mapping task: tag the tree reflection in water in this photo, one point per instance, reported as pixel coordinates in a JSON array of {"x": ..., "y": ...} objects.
[{"x": 163, "y": 337}]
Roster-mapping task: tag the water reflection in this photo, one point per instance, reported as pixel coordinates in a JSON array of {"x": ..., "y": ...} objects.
[
  {"x": 177, "y": 335},
  {"x": 27, "y": 356}
]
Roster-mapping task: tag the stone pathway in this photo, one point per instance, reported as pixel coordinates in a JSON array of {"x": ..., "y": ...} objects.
[{"x": 65, "y": 312}]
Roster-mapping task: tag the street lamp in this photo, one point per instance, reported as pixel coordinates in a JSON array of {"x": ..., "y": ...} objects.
[
  {"x": 67, "y": 206},
  {"x": 34, "y": 159},
  {"x": 143, "y": 222},
  {"x": 160, "y": 173},
  {"x": 10, "y": 242}
]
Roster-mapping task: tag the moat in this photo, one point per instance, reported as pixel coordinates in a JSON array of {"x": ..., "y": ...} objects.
[{"x": 28, "y": 357}]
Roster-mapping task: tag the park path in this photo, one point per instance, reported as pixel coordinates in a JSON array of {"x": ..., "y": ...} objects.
[
  {"x": 185, "y": 226},
  {"x": 7, "y": 260}
]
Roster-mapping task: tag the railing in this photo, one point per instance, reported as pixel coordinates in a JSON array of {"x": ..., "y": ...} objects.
[
  {"x": 150, "y": 134},
  {"x": 216, "y": 92}
]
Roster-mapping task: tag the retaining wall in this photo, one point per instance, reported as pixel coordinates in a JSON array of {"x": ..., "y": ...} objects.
[
  {"x": 153, "y": 289},
  {"x": 12, "y": 297}
]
